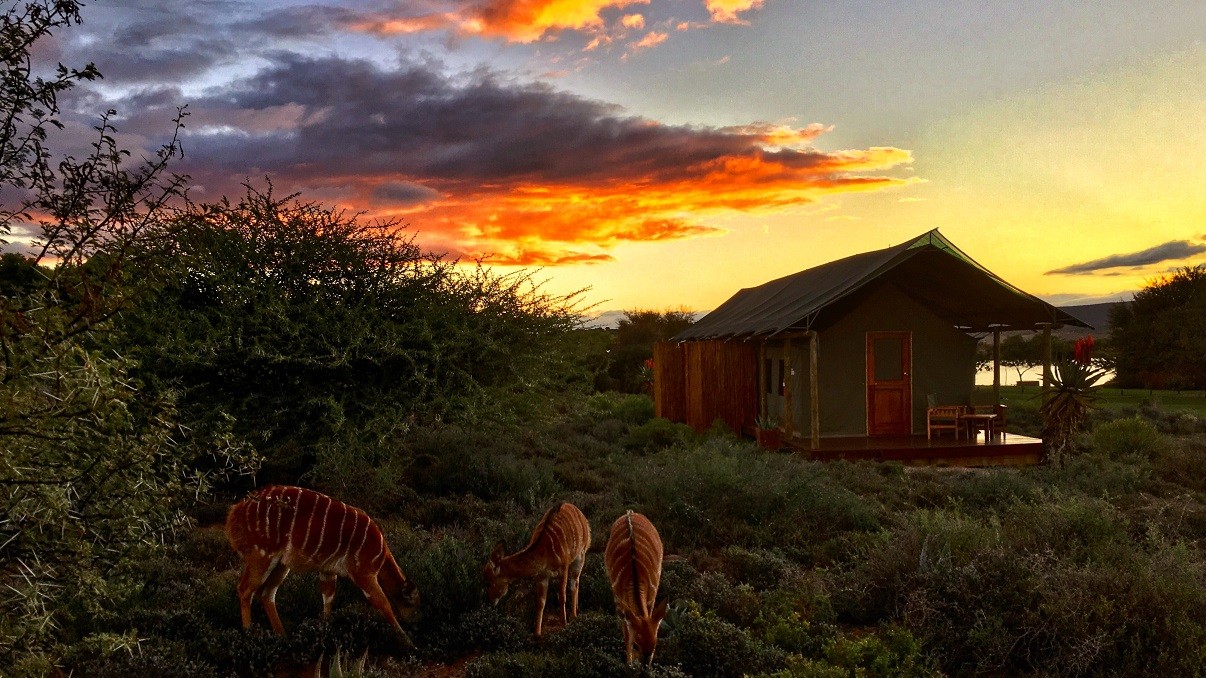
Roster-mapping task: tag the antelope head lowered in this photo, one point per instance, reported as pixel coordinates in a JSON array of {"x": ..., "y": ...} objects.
[
  {"x": 634, "y": 566},
  {"x": 278, "y": 529},
  {"x": 558, "y": 547}
]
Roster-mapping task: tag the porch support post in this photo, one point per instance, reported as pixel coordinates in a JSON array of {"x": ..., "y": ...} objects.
[
  {"x": 788, "y": 428},
  {"x": 762, "y": 379},
  {"x": 996, "y": 366},
  {"x": 1046, "y": 361},
  {"x": 814, "y": 397}
]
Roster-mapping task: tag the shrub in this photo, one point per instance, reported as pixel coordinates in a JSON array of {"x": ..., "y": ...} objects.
[
  {"x": 485, "y": 628},
  {"x": 761, "y": 569},
  {"x": 632, "y": 410},
  {"x": 703, "y": 645},
  {"x": 1182, "y": 464},
  {"x": 724, "y": 492},
  {"x": 479, "y": 468},
  {"x": 792, "y": 633},
  {"x": 656, "y": 434},
  {"x": 447, "y": 573},
  {"x": 94, "y": 657},
  {"x": 889, "y": 653},
  {"x": 1122, "y": 438}
]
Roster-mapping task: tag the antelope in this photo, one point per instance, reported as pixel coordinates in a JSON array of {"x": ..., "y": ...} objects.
[
  {"x": 634, "y": 566},
  {"x": 558, "y": 547},
  {"x": 279, "y": 529}
]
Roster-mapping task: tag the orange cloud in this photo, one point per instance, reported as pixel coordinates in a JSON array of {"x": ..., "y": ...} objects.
[
  {"x": 522, "y": 170},
  {"x": 526, "y": 21},
  {"x": 537, "y": 256},
  {"x": 529, "y": 20},
  {"x": 652, "y": 39},
  {"x": 727, "y": 11},
  {"x": 633, "y": 21},
  {"x": 403, "y": 25},
  {"x": 547, "y": 223}
]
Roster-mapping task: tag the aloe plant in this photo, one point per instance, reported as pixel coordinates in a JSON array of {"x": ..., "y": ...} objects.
[{"x": 1070, "y": 396}]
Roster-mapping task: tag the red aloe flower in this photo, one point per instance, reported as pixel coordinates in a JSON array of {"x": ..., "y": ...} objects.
[{"x": 1082, "y": 352}]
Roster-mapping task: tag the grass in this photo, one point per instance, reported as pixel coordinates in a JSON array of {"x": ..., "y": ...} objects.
[
  {"x": 1109, "y": 398},
  {"x": 783, "y": 567}
]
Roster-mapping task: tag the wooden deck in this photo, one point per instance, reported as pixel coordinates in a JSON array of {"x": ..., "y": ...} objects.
[{"x": 1008, "y": 449}]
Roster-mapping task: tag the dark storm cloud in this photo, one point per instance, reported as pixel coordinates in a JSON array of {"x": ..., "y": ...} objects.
[
  {"x": 358, "y": 118},
  {"x": 155, "y": 42},
  {"x": 1169, "y": 251},
  {"x": 301, "y": 22}
]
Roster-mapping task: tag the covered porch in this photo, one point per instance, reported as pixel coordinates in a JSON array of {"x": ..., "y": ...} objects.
[{"x": 917, "y": 450}]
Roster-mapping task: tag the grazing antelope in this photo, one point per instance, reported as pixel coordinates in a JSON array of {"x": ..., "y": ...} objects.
[
  {"x": 634, "y": 565},
  {"x": 279, "y": 529},
  {"x": 558, "y": 547}
]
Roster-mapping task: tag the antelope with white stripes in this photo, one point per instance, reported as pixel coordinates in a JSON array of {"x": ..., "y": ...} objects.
[
  {"x": 558, "y": 547},
  {"x": 280, "y": 529},
  {"x": 634, "y": 566}
]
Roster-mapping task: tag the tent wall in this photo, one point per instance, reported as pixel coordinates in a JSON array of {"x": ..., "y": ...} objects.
[
  {"x": 670, "y": 380},
  {"x": 943, "y": 362},
  {"x": 698, "y": 382}
]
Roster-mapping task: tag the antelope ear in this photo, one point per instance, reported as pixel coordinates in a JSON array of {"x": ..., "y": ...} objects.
[
  {"x": 659, "y": 612},
  {"x": 500, "y": 550}
]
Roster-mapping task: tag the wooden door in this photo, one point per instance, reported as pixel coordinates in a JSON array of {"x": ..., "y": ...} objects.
[{"x": 889, "y": 389}]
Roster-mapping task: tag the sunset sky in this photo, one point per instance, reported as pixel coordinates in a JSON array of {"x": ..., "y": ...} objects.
[{"x": 666, "y": 153}]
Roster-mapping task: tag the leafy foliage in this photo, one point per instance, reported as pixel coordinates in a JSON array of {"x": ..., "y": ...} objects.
[
  {"x": 324, "y": 337},
  {"x": 1160, "y": 337},
  {"x": 632, "y": 345},
  {"x": 95, "y": 472}
]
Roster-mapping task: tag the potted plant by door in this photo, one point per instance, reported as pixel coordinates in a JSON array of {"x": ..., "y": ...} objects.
[{"x": 767, "y": 433}]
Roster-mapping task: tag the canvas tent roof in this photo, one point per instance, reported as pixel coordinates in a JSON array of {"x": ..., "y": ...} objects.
[{"x": 929, "y": 268}]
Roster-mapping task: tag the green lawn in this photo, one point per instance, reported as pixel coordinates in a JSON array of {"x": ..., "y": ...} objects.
[{"x": 1193, "y": 401}]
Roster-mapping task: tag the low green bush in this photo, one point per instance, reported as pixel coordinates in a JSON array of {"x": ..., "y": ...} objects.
[
  {"x": 486, "y": 629},
  {"x": 447, "y": 572},
  {"x": 704, "y": 645},
  {"x": 724, "y": 492},
  {"x": 656, "y": 434},
  {"x": 631, "y": 409},
  {"x": 1181, "y": 463},
  {"x": 888, "y": 654},
  {"x": 1124, "y": 438},
  {"x": 483, "y": 471}
]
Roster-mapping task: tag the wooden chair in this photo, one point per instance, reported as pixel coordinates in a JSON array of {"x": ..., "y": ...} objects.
[{"x": 943, "y": 418}]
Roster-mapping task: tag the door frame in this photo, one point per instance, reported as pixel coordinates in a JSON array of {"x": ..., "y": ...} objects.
[{"x": 906, "y": 357}]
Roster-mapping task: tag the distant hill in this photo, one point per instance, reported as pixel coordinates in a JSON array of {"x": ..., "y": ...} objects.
[{"x": 1097, "y": 315}]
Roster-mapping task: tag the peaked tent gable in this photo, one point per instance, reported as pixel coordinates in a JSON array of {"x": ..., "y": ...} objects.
[{"x": 793, "y": 302}]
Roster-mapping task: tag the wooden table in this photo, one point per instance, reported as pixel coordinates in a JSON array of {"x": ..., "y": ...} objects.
[{"x": 976, "y": 422}]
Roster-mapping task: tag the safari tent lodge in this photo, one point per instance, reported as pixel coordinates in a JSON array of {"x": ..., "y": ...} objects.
[{"x": 859, "y": 358}]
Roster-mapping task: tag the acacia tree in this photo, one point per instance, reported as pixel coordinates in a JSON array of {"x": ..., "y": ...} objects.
[
  {"x": 325, "y": 337},
  {"x": 1159, "y": 339},
  {"x": 93, "y": 477},
  {"x": 632, "y": 345}
]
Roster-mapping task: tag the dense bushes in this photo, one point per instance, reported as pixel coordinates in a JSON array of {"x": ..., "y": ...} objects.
[
  {"x": 782, "y": 567},
  {"x": 323, "y": 338},
  {"x": 1058, "y": 585}
]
